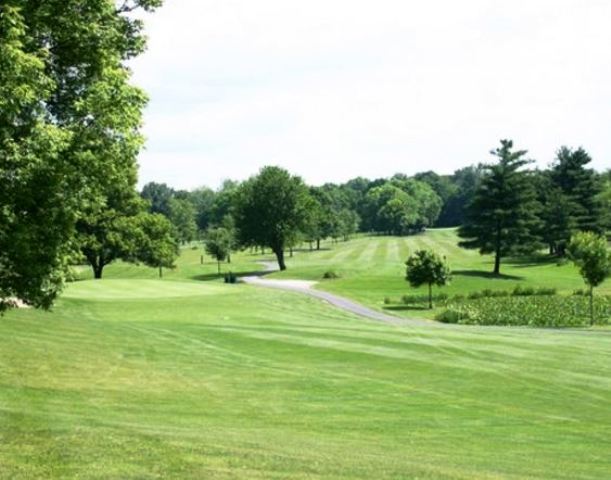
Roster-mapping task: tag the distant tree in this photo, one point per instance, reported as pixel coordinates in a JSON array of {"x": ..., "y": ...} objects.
[
  {"x": 465, "y": 181},
  {"x": 502, "y": 217},
  {"x": 605, "y": 199},
  {"x": 427, "y": 268},
  {"x": 270, "y": 208},
  {"x": 557, "y": 224},
  {"x": 228, "y": 223},
  {"x": 159, "y": 196},
  {"x": 348, "y": 223},
  {"x": 182, "y": 215},
  {"x": 589, "y": 252},
  {"x": 218, "y": 245},
  {"x": 582, "y": 187},
  {"x": 223, "y": 201},
  {"x": 156, "y": 245},
  {"x": 202, "y": 200}
]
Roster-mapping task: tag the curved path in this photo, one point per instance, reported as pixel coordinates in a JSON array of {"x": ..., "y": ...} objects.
[{"x": 305, "y": 287}]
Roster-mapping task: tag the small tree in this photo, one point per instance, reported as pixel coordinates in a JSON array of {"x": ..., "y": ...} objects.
[
  {"x": 218, "y": 245},
  {"x": 589, "y": 252},
  {"x": 427, "y": 268}
]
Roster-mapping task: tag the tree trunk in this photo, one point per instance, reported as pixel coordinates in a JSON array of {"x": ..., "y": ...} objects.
[
  {"x": 160, "y": 271},
  {"x": 280, "y": 257},
  {"x": 318, "y": 244},
  {"x": 291, "y": 251},
  {"x": 218, "y": 266},
  {"x": 229, "y": 258},
  {"x": 430, "y": 295},
  {"x": 97, "y": 271},
  {"x": 497, "y": 252},
  {"x": 497, "y": 263},
  {"x": 591, "y": 305}
]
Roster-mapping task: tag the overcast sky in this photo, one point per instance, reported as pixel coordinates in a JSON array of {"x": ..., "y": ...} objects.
[{"x": 334, "y": 89}]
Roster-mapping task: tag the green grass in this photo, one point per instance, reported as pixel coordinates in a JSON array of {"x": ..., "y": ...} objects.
[
  {"x": 130, "y": 379},
  {"x": 373, "y": 268},
  {"x": 133, "y": 377}
]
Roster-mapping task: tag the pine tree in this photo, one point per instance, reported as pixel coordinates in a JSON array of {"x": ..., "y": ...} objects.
[
  {"x": 502, "y": 217},
  {"x": 582, "y": 187}
]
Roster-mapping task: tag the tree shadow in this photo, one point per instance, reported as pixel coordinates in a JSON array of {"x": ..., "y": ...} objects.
[
  {"x": 490, "y": 275},
  {"x": 532, "y": 261},
  {"x": 402, "y": 308},
  {"x": 208, "y": 277}
]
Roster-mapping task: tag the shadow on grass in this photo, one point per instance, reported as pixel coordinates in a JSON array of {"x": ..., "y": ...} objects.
[
  {"x": 490, "y": 275},
  {"x": 532, "y": 261},
  {"x": 402, "y": 308},
  {"x": 215, "y": 276}
]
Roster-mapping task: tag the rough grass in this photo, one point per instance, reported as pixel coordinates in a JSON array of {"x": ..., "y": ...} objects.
[{"x": 127, "y": 379}]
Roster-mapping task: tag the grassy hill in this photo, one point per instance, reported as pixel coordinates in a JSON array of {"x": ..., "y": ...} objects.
[{"x": 133, "y": 377}]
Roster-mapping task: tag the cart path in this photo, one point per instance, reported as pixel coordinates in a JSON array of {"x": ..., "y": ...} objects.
[{"x": 305, "y": 287}]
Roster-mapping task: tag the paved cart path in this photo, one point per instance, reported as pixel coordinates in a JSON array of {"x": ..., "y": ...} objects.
[{"x": 306, "y": 288}]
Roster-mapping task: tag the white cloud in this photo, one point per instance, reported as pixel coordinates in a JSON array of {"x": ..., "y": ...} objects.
[{"x": 334, "y": 89}]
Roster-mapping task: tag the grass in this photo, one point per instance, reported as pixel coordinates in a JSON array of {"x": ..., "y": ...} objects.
[
  {"x": 162, "y": 379},
  {"x": 372, "y": 268},
  {"x": 133, "y": 377}
]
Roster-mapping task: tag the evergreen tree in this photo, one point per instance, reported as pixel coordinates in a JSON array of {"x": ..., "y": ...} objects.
[
  {"x": 582, "y": 187},
  {"x": 502, "y": 217}
]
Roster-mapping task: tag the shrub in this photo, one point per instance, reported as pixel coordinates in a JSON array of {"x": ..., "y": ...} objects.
[
  {"x": 450, "y": 316},
  {"x": 330, "y": 275},
  {"x": 520, "y": 291},
  {"x": 387, "y": 300},
  {"x": 231, "y": 278},
  {"x": 546, "y": 291}
]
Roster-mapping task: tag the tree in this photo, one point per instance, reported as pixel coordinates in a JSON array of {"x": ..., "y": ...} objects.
[
  {"x": 182, "y": 216},
  {"x": 69, "y": 126},
  {"x": 427, "y": 268},
  {"x": 270, "y": 208},
  {"x": 582, "y": 187},
  {"x": 37, "y": 210},
  {"x": 590, "y": 254},
  {"x": 159, "y": 196},
  {"x": 502, "y": 217},
  {"x": 218, "y": 245},
  {"x": 156, "y": 245}
]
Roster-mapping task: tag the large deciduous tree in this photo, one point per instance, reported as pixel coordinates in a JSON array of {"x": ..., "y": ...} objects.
[
  {"x": 271, "y": 209},
  {"x": 502, "y": 217},
  {"x": 69, "y": 126}
]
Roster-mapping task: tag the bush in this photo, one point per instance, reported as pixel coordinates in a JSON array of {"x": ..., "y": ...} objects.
[
  {"x": 545, "y": 291},
  {"x": 450, "y": 316},
  {"x": 330, "y": 275},
  {"x": 534, "y": 311},
  {"x": 231, "y": 278},
  {"x": 387, "y": 300},
  {"x": 520, "y": 291}
]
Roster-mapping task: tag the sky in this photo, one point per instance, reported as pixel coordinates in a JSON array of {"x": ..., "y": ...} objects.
[{"x": 335, "y": 89}]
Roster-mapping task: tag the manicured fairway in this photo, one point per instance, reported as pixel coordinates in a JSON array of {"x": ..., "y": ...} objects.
[
  {"x": 132, "y": 379},
  {"x": 372, "y": 268}
]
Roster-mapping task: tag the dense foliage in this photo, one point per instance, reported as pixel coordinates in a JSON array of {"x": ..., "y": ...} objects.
[{"x": 69, "y": 127}]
